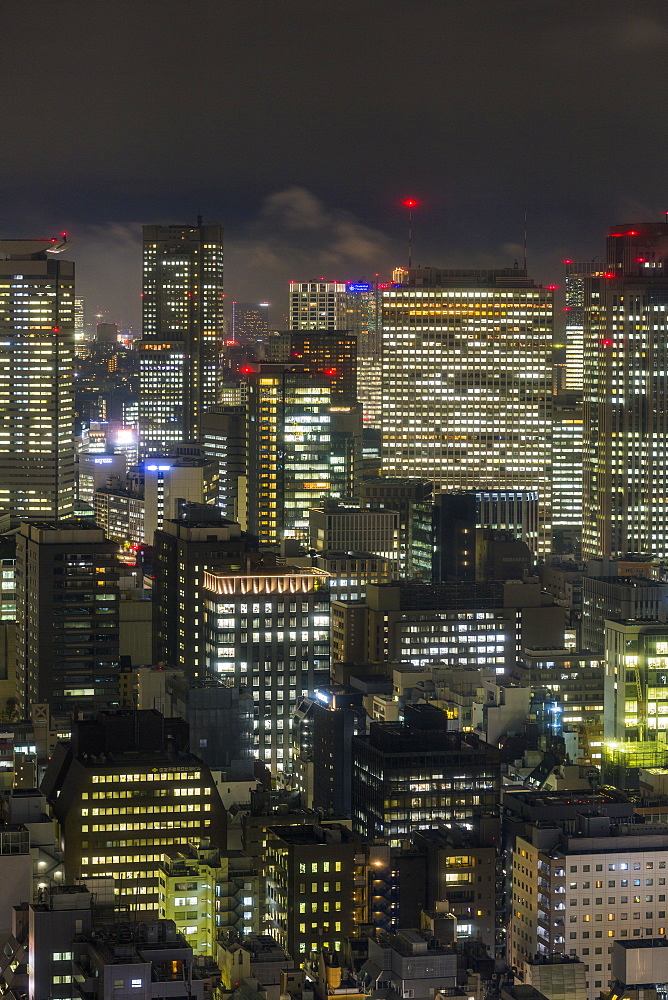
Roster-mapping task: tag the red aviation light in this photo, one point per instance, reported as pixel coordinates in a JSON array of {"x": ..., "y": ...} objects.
[
  {"x": 552, "y": 288},
  {"x": 631, "y": 232},
  {"x": 331, "y": 372},
  {"x": 568, "y": 261},
  {"x": 246, "y": 370},
  {"x": 607, "y": 342},
  {"x": 609, "y": 274},
  {"x": 409, "y": 203}
]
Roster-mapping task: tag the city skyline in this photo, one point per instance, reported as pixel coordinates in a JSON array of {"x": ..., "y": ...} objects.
[{"x": 307, "y": 167}]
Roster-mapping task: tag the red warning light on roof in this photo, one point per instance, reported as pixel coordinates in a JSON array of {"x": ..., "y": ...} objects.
[
  {"x": 409, "y": 203},
  {"x": 230, "y": 343},
  {"x": 631, "y": 232},
  {"x": 246, "y": 370},
  {"x": 568, "y": 261},
  {"x": 552, "y": 288},
  {"x": 606, "y": 343},
  {"x": 609, "y": 274},
  {"x": 331, "y": 371}
]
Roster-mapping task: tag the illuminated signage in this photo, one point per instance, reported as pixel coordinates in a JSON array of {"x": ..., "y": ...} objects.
[
  {"x": 103, "y": 460},
  {"x": 355, "y": 287}
]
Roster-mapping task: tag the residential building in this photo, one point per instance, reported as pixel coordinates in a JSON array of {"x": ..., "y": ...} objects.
[
  {"x": 125, "y": 790},
  {"x": 207, "y": 892},
  {"x": 67, "y": 617},
  {"x": 37, "y": 474},
  {"x": 406, "y": 778},
  {"x": 310, "y": 873},
  {"x": 625, "y": 428},
  {"x": 183, "y": 327},
  {"x": 576, "y": 892},
  {"x": 467, "y": 382},
  {"x": 318, "y": 305},
  {"x": 266, "y": 628}
]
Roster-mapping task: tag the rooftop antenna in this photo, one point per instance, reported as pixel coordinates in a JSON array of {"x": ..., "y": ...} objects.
[
  {"x": 410, "y": 204},
  {"x": 199, "y": 221},
  {"x": 525, "y": 238}
]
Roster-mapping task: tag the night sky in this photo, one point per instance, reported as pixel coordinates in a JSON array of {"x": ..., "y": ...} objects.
[{"x": 301, "y": 125}]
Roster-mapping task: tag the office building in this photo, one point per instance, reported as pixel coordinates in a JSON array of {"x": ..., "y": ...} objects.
[
  {"x": 324, "y": 726},
  {"x": 120, "y": 513},
  {"x": 124, "y": 790},
  {"x": 37, "y": 475},
  {"x": 341, "y": 527},
  {"x": 625, "y": 396},
  {"x": 412, "y": 499},
  {"x": 639, "y": 969},
  {"x": 567, "y": 483},
  {"x": 289, "y": 450},
  {"x": 619, "y": 597},
  {"x": 406, "y": 778},
  {"x": 467, "y": 382},
  {"x": 267, "y": 629},
  {"x": 257, "y": 958},
  {"x": 184, "y": 546},
  {"x": 318, "y": 305},
  {"x": 224, "y": 441},
  {"x": 250, "y": 321},
  {"x": 636, "y": 681},
  {"x": 333, "y": 352},
  {"x": 183, "y": 328},
  {"x": 575, "y": 301},
  {"x": 482, "y": 624},
  {"x": 459, "y": 516},
  {"x": 310, "y": 873},
  {"x": 94, "y": 470},
  {"x": 67, "y": 616},
  {"x": 576, "y": 892},
  {"x": 170, "y": 480}
]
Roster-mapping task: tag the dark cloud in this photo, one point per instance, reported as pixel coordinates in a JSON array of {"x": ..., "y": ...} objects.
[{"x": 300, "y": 126}]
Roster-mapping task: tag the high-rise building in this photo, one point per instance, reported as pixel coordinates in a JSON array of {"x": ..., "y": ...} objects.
[
  {"x": 332, "y": 352},
  {"x": 224, "y": 440},
  {"x": 169, "y": 480},
  {"x": 567, "y": 469},
  {"x": 467, "y": 382},
  {"x": 575, "y": 290},
  {"x": 289, "y": 449},
  {"x": 182, "y": 333},
  {"x": 250, "y": 321},
  {"x": 625, "y": 417},
  {"x": 37, "y": 476},
  {"x": 413, "y": 501},
  {"x": 67, "y": 616},
  {"x": 267, "y": 629},
  {"x": 318, "y": 305}
]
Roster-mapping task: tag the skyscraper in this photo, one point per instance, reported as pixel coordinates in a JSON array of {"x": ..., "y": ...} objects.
[
  {"x": 467, "y": 381},
  {"x": 183, "y": 326},
  {"x": 250, "y": 321},
  {"x": 290, "y": 464},
  {"x": 625, "y": 416},
  {"x": 37, "y": 476}
]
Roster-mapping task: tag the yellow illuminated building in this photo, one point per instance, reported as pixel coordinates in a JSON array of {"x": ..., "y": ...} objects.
[{"x": 467, "y": 382}]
